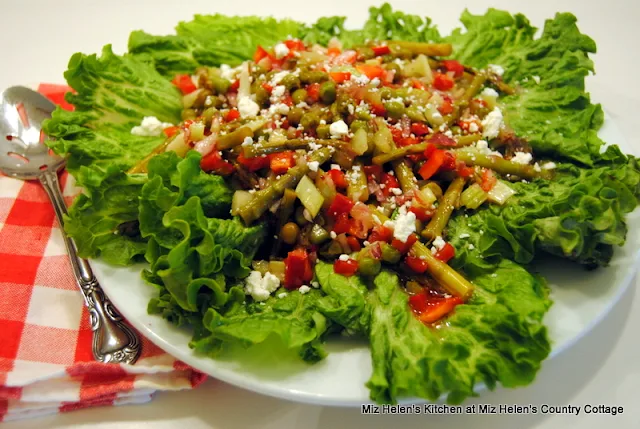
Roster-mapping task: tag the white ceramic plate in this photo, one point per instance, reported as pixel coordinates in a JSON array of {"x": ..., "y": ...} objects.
[{"x": 581, "y": 300}]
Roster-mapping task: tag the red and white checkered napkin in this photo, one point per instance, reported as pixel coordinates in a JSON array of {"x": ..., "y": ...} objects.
[{"x": 46, "y": 364}]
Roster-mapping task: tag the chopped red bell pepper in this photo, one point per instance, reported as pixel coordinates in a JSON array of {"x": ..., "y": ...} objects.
[
  {"x": 171, "y": 131},
  {"x": 446, "y": 253},
  {"x": 446, "y": 107},
  {"x": 234, "y": 86},
  {"x": 370, "y": 70},
  {"x": 389, "y": 182},
  {"x": 294, "y": 44},
  {"x": 373, "y": 172},
  {"x": 354, "y": 244},
  {"x": 442, "y": 82},
  {"x": 340, "y": 204},
  {"x": 232, "y": 115},
  {"x": 338, "y": 178},
  {"x": 342, "y": 224},
  {"x": 346, "y": 57},
  {"x": 441, "y": 139},
  {"x": 419, "y": 129},
  {"x": 184, "y": 83},
  {"x": 56, "y": 94},
  {"x": 416, "y": 264},
  {"x": 489, "y": 180},
  {"x": 281, "y": 162},
  {"x": 334, "y": 51},
  {"x": 381, "y": 50},
  {"x": 377, "y": 108},
  {"x": 313, "y": 92},
  {"x": 260, "y": 54},
  {"x": 422, "y": 213},
  {"x": 432, "y": 165},
  {"x": 340, "y": 77},
  {"x": 453, "y": 66},
  {"x": 463, "y": 170},
  {"x": 406, "y": 246},
  {"x": 380, "y": 233},
  {"x": 430, "y": 308},
  {"x": 417, "y": 84},
  {"x": 267, "y": 87},
  {"x": 214, "y": 162},
  {"x": 449, "y": 163},
  {"x": 346, "y": 268},
  {"x": 297, "y": 269},
  {"x": 254, "y": 164}
]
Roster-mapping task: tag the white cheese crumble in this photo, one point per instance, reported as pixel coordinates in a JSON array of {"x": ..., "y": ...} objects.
[
  {"x": 496, "y": 69},
  {"x": 522, "y": 158},
  {"x": 248, "y": 141},
  {"x": 464, "y": 235},
  {"x": 335, "y": 167},
  {"x": 549, "y": 165},
  {"x": 338, "y": 130},
  {"x": 315, "y": 284},
  {"x": 536, "y": 79},
  {"x": 473, "y": 127},
  {"x": 343, "y": 257},
  {"x": 489, "y": 92},
  {"x": 226, "y": 72},
  {"x": 275, "y": 80},
  {"x": 404, "y": 225},
  {"x": 333, "y": 234},
  {"x": 282, "y": 295},
  {"x": 150, "y": 127},
  {"x": 281, "y": 50},
  {"x": 483, "y": 148},
  {"x": 247, "y": 107},
  {"x": 471, "y": 246},
  {"x": 396, "y": 191},
  {"x": 279, "y": 108},
  {"x": 492, "y": 123},
  {"x": 375, "y": 82},
  {"x": 360, "y": 79},
  {"x": 304, "y": 289},
  {"x": 313, "y": 165},
  {"x": 259, "y": 287},
  {"x": 439, "y": 243}
]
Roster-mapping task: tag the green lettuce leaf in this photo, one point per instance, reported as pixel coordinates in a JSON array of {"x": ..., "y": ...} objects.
[
  {"x": 554, "y": 115},
  {"x": 293, "y": 321},
  {"x": 113, "y": 94},
  {"x": 498, "y": 336}
]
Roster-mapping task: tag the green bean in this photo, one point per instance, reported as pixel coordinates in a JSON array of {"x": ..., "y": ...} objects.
[
  {"x": 299, "y": 96},
  {"x": 501, "y": 165},
  {"x": 357, "y": 188},
  {"x": 399, "y": 153},
  {"x": 461, "y": 104},
  {"x": 441, "y": 217},
  {"x": 405, "y": 176},
  {"x": 318, "y": 235},
  {"x": 252, "y": 151},
  {"x": 309, "y": 76},
  {"x": 428, "y": 49},
  {"x": 328, "y": 92},
  {"x": 264, "y": 198},
  {"x": 415, "y": 115},
  {"x": 323, "y": 131},
  {"x": 234, "y": 138},
  {"x": 395, "y": 109},
  {"x": 452, "y": 281},
  {"x": 467, "y": 140}
]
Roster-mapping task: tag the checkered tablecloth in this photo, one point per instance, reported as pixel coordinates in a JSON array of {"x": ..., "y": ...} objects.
[{"x": 46, "y": 364}]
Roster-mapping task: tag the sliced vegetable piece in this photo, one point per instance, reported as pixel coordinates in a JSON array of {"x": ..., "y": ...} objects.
[{"x": 309, "y": 195}]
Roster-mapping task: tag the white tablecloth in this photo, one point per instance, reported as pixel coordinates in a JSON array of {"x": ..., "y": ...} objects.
[{"x": 38, "y": 37}]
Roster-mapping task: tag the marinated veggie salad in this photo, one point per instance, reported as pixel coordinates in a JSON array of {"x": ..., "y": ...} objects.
[{"x": 286, "y": 183}]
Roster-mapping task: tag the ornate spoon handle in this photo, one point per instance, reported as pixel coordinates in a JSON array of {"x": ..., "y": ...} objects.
[{"x": 113, "y": 340}]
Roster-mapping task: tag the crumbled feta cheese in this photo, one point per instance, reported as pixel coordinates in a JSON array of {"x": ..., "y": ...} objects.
[
  {"x": 315, "y": 284},
  {"x": 338, "y": 129},
  {"x": 496, "y": 69},
  {"x": 522, "y": 158},
  {"x": 335, "y": 167},
  {"x": 314, "y": 146},
  {"x": 275, "y": 80},
  {"x": 464, "y": 235},
  {"x": 248, "y": 141},
  {"x": 333, "y": 234},
  {"x": 489, "y": 92},
  {"x": 208, "y": 101},
  {"x": 281, "y": 50},
  {"x": 483, "y": 147},
  {"x": 492, "y": 123},
  {"x": 304, "y": 289},
  {"x": 436, "y": 115},
  {"x": 247, "y": 107},
  {"x": 351, "y": 109},
  {"x": 404, "y": 226},
  {"x": 549, "y": 165},
  {"x": 375, "y": 82},
  {"x": 279, "y": 108},
  {"x": 282, "y": 295},
  {"x": 313, "y": 165},
  {"x": 302, "y": 105},
  {"x": 344, "y": 257},
  {"x": 259, "y": 287},
  {"x": 360, "y": 79},
  {"x": 471, "y": 246},
  {"x": 473, "y": 127},
  {"x": 396, "y": 191},
  {"x": 536, "y": 167},
  {"x": 277, "y": 92},
  {"x": 536, "y": 79},
  {"x": 439, "y": 243},
  {"x": 226, "y": 72},
  {"x": 149, "y": 127}
]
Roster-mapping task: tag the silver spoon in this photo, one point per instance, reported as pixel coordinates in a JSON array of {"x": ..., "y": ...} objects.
[{"x": 24, "y": 155}]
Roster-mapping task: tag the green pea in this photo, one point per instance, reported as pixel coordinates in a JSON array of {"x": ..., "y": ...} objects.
[
  {"x": 309, "y": 121},
  {"x": 395, "y": 109},
  {"x": 390, "y": 254},
  {"x": 368, "y": 266},
  {"x": 328, "y": 92},
  {"x": 323, "y": 131},
  {"x": 386, "y": 93},
  {"x": 415, "y": 115},
  {"x": 290, "y": 81},
  {"x": 294, "y": 115},
  {"x": 299, "y": 96},
  {"x": 220, "y": 85},
  {"x": 363, "y": 115},
  {"x": 309, "y": 76},
  {"x": 318, "y": 234},
  {"x": 358, "y": 124},
  {"x": 262, "y": 95}
]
